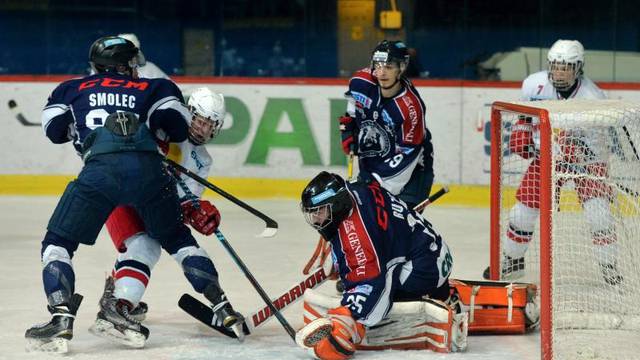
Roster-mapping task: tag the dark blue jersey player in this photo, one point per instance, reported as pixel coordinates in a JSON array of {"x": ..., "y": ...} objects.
[
  {"x": 385, "y": 126},
  {"x": 115, "y": 120}
]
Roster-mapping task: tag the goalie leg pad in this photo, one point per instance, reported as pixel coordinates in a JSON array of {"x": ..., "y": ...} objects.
[{"x": 428, "y": 324}]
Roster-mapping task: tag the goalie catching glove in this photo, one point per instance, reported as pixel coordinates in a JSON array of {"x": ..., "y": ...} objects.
[
  {"x": 333, "y": 337},
  {"x": 202, "y": 215}
]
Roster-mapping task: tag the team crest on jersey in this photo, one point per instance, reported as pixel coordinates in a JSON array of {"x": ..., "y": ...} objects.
[
  {"x": 362, "y": 99},
  {"x": 373, "y": 140},
  {"x": 387, "y": 119}
]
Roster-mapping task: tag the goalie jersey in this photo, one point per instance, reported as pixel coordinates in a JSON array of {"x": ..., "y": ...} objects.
[
  {"x": 383, "y": 251},
  {"x": 393, "y": 138}
]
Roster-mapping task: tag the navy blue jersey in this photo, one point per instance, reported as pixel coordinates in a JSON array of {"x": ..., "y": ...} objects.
[
  {"x": 78, "y": 106},
  {"x": 393, "y": 137},
  {"x": 382, "y": 248}
]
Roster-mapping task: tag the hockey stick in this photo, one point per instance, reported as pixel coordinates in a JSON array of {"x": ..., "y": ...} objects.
[
  {"x": 633, "y": 147},
  {"x": 13, "y": 106},
  {"x": 437, "y": 195},
  {"x": 256, "y": 285},
  {"x": 350, "y": 166},
  {"x": 271, "y": 225},
  {"x": 204, "y": 313},
  {"x": 581, "y": 170}
]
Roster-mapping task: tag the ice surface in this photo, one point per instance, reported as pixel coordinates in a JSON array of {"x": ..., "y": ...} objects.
[{"x": 276, "y": 263}]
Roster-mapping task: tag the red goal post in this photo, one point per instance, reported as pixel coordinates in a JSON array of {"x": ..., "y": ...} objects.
[{"x": 573, "y": 329}]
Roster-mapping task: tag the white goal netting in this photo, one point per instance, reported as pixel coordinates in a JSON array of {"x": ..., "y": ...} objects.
[{"x": 595, "y": 220}]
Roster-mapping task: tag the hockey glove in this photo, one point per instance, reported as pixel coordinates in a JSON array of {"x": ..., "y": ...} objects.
[
  {"x": 333, "y": 337},
  {"x": 521, "y": 140},
  {"x": 349, "y": 134},
  {"x": 204, "y": 219}
]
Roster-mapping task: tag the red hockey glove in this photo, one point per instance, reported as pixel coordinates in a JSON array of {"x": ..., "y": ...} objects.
[
  {"x": 348, "y": 133},
  {"x": 205, "y": 220},
  {"x": 521, "y": 140},
  {"x": 338, "y": 333}
]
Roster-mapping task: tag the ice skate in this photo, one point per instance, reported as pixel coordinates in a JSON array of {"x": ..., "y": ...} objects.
[
  {"x": 54, "y": 336},
  {"x": 511, "y": 269},
  {"x": 139, "y": 313},
  {"x": 115, "y": 323},
  {"x": 224, "y": 314},
  {"x": 611, "y": 274}
]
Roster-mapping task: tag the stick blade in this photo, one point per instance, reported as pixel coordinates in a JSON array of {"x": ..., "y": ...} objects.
[{"x": 268, "y": 232}]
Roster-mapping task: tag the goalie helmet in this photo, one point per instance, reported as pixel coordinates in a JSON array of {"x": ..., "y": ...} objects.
[
  {"x": 566, "y": 60},
  {"x": 112, "y": 53},
  {"x": 326, "y": 202},
  {"x": 208, "y": 111}
]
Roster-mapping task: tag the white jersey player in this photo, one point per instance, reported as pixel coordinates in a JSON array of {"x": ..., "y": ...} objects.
[
  {"x": 146, "y": 69},
  {"x": 139, "y": 253},
  {"x": 576, "y": 151}
]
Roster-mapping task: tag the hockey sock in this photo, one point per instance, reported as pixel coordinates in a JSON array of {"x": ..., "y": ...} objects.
[{"x": 197, "y": 267}]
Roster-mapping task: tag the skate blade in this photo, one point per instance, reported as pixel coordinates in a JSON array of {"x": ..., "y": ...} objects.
[
  {"x": 107, "y": 330},
  {"x": 237, "y": 329},
  {"x": 54, "y": 346}
]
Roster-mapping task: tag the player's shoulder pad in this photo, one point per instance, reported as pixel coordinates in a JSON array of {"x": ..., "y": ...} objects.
[
  {"x": 363, "y": 78},
  {"x": 539, "y": 77},
  {"x": 166, "y": 87},
  {"x": 531, "y": 83},
  {"x": 67, "y": 87},
  {"x": 591, "y": 90}
]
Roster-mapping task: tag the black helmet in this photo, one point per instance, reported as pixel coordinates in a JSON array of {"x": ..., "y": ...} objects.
[
  {"x": 111, "y": 53},
  {"x": 326, "y": 196},
  {"x": 391, "y": 51}
]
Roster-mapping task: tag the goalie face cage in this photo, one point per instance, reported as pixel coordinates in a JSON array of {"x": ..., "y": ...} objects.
[{"x": 587, "y": 150}]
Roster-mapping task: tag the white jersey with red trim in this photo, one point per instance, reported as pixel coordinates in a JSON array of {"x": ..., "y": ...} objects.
[{"x": 537, "y": 86}]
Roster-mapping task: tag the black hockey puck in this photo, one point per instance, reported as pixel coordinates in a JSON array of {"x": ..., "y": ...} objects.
[{"x": 12, "y": 104}]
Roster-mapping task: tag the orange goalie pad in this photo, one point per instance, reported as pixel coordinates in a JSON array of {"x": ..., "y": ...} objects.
[{"x": 495, "y": 307}]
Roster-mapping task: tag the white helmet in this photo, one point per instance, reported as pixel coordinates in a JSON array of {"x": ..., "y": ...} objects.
[
  {"x": 134, "y": 39},
  {"x": 208, "y": 112},
  {"x": 566, "y": 60}
]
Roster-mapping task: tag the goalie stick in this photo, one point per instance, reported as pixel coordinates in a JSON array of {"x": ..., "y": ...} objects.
[
  {"x": 260, "y": 316},
  {"x": 431, "y": 199},
  {"x": 13, "y": 106},
  {"x": 271, "y": 225}
]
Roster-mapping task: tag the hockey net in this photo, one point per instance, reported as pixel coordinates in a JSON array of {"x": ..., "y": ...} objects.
[{"x": 586, "y": 149}]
